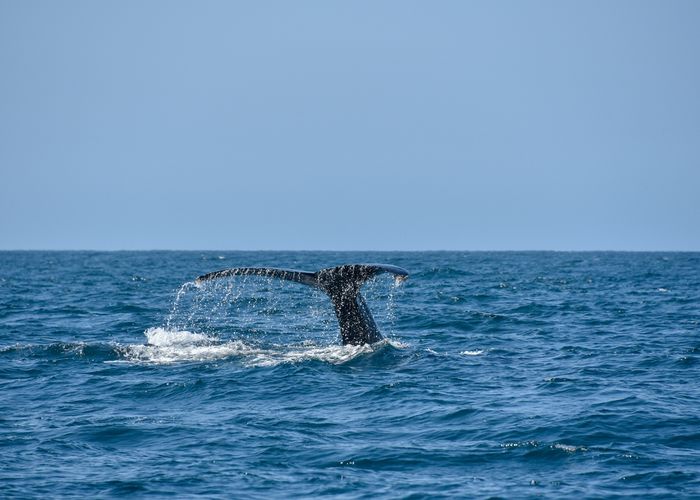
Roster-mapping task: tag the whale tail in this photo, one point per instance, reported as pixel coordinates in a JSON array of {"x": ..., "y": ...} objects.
[{"x": 341, "y": 283}]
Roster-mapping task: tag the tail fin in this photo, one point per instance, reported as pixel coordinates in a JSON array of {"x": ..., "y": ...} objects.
[
  {"x": 271, "y": 272},
  {"x": 353, "y": 276},
  {"x": 341, "y": 283}
]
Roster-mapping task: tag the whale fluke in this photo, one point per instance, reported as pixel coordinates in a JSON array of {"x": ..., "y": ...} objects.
[{"x": 342, "y": 284}]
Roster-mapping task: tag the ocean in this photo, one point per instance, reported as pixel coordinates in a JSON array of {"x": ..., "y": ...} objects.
[{"x": 502, "y": 374}]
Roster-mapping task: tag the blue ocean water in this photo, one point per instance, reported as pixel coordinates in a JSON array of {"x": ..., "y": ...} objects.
[{"x": 504, "y": 374}]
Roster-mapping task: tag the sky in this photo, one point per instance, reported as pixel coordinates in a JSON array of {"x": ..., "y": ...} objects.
[{"x": 362, "y": 125}]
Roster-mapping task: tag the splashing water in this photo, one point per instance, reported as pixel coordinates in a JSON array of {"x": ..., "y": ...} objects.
[{"x": 260, "y": 319}]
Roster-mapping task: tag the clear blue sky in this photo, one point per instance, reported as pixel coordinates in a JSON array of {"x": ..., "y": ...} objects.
[{"x": 350, "y": 125}]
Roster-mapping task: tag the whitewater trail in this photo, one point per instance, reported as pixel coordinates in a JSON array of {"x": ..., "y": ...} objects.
[{"x": 178, "y": 346}]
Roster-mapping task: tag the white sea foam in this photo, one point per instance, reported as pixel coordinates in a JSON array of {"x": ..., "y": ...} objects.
[
  {"x": 166, "y": 346},
  {"x": 472, "y": 353},
  {"x": 162, "y": 337},
  {"x": 334, "y": 354},
  {"x": 568, "y": 448}
]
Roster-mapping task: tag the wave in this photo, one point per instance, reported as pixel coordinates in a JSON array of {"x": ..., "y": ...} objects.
[
  {"x": 58, "y": 350},
  {"x": 165, "y": 346}
]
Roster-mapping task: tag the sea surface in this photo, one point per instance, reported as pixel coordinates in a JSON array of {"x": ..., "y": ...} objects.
[{"x": 503, "y": 374}]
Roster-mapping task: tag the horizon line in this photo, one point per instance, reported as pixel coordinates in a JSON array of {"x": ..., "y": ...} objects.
[{"x": 344, "y": 250}]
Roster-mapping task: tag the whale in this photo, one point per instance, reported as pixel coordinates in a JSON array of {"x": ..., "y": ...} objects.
[{"x": 341, "y": 283}]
